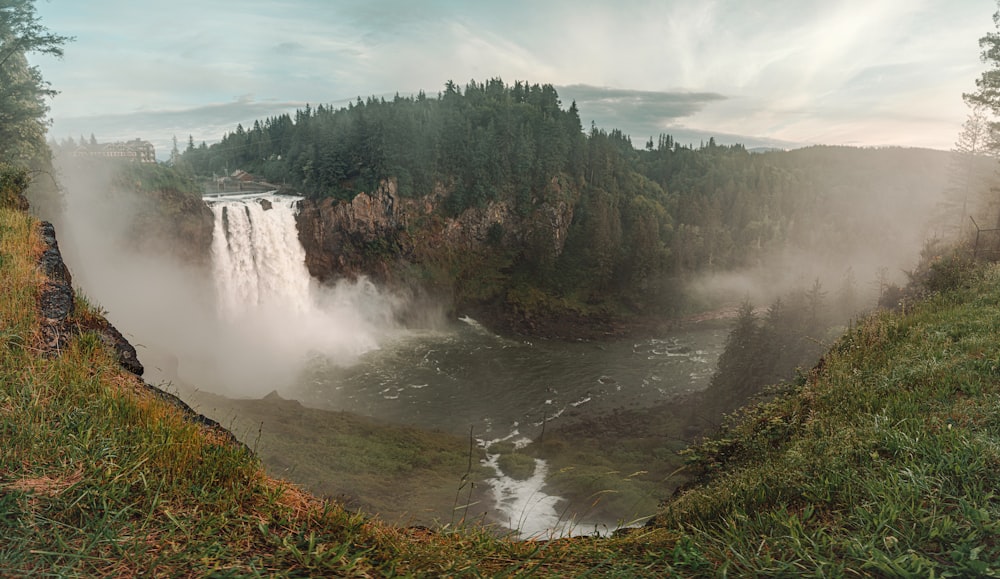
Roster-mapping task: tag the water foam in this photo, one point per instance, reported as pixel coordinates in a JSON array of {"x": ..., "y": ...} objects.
[{"x": 273, "y": 312}]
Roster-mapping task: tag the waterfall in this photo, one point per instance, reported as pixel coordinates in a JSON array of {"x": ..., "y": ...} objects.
[
  {"x": 257, "y": 259},
  {"x": 272, "y": 317}
]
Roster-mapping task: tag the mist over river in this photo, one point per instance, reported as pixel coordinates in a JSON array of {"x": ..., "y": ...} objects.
[{"x": 466, "y": 377}]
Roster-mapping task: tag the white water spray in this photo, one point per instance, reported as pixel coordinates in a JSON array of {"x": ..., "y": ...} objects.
[
  {"x": 274, "y": 315},
  {"x": 524, "y": 506}
]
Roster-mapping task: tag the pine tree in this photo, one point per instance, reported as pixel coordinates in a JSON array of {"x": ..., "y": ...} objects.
[
  {"x": 739, "y": 369},
  {"x": 847, "y": 297},
  {"x": 23, "y": 91},
  {"x": 175, "y": 154},
  {"x": 986, "y": 97},
  {"x": 987, "y": 93}
]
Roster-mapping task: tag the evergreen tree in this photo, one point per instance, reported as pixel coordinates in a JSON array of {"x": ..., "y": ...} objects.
[
  {"x": 848, "y": 302},
  {"x": 175, "y": 154},
  {"x": 987, "y": 93},
  {"x": 23, "y": 91},
  {"x": 815, "y": 299},
  {"x": 969, "y": 176},
  {"x": 740, "y": 368}
]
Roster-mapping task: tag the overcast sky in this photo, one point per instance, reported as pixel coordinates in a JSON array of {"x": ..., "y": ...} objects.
[{"x": 760, "y": 72}]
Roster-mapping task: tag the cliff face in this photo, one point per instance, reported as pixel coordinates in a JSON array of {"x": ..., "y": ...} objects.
[
  {"x": 410, "y": 242},
  {"x": 350, "y": 238}
]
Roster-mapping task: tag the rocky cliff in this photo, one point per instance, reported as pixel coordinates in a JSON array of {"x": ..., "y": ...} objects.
[{"x": 410, "y": 242}]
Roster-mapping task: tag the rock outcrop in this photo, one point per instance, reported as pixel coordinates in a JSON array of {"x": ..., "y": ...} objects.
[
  {"x": 375, "y": 233},
  {"x": 348, "y": 238},
  {"x": 60, "y": 323},
  {"x": 55, "y": 301}
]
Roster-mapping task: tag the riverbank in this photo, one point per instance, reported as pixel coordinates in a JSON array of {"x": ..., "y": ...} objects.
[
  {"x": 881, "y": 462},
  {"x": 404, "y": 475}
]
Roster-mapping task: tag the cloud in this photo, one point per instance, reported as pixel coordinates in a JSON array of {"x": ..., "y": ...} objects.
[
  {"x": 637, "y": 112},
  {"x": 644, "y": 103},
  {"x": 285, "y": 48},
  {"x": 790, "y": 71},
  {"x": 203, "y": 123}
]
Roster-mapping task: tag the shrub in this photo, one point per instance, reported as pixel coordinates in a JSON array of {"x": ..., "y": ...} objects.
[{"x": 13, "y": 183}]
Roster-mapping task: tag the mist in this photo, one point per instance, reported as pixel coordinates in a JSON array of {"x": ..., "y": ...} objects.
[
  {"x": 865, "y": 227},
  {"x": 187, "y": 329}
]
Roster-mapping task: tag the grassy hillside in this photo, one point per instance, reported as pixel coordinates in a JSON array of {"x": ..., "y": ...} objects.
[{"x": 882, "y": 462}]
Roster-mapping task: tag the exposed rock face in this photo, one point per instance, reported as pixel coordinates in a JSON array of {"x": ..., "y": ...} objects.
[
  {"x": 376, "y": 233},
  {"x": 124, "y": 351},
  {"x": 55, "y": 302},
  {"x": 343, "y": 237}
]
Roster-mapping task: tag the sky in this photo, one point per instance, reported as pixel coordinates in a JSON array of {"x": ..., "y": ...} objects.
[{"x": 765, "y": 73}]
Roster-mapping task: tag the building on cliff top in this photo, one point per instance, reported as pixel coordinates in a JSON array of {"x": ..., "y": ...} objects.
[{"x": 136, "y": 150}]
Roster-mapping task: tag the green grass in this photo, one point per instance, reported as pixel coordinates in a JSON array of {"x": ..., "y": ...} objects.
[
  {"x": 400, "y": 473},
  {"x": 882, "y": 462}
]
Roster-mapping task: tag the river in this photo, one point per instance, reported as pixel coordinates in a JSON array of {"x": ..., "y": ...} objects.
[{"x": 466, "y": 378}]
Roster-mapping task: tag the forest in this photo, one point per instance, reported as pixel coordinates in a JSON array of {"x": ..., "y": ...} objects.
[{"x": 645, "y": 221}]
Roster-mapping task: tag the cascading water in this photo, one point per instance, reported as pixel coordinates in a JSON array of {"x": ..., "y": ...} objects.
[
  {"x": 257, "y": 258},
  {"x": 274, "y": 318}
]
